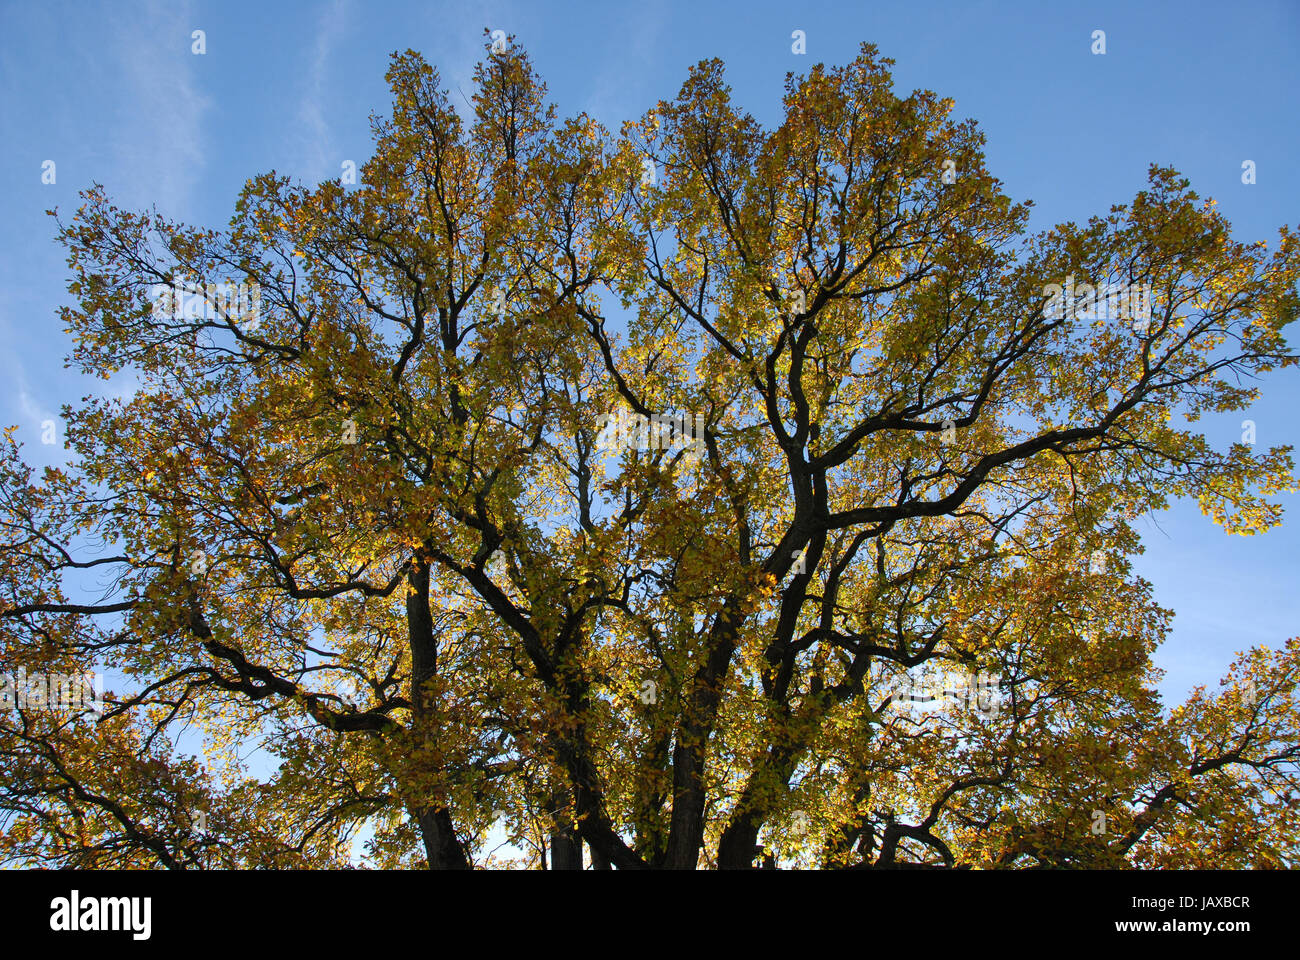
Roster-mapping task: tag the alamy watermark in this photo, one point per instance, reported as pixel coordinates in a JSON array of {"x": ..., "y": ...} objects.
[
  {"x": 931, "y": 690},
  {"x": 240, "y": 303},
  {"x": 51, "y": 691},
  {"x": 635, "y": 431},
  {"x": 75, "y": 913},
  {"x": 1110, "y": 301}
]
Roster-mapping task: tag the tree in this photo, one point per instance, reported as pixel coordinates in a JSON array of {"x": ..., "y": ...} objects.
[{"x": 623, "y": 491}]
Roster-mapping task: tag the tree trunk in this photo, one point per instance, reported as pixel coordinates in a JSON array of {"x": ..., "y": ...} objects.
[
  {"x": 441, "y": 846},
  {"x": 566, "y": 845}
]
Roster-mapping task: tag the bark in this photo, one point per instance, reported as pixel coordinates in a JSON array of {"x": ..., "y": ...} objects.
[
  {"x": 566, "y": 845},
  {"x": 441, "y": 845}
]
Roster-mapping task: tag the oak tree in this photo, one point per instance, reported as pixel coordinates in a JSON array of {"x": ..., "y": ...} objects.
[{"x": 375, "y": 529}]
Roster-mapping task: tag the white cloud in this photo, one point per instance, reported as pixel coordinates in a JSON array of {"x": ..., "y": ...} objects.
[
  {"x": 457, "y": 44},
  {"x": 158, "y": 145},
  {"x": 34, "y": 416},
  {"x": 612, "y": 100},
  {"x": 35, "y": 412},
  {"x": 320, "y": 160}
]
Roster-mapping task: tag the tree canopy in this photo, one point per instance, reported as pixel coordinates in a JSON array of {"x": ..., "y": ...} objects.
[{"x": 385, "y": 526}]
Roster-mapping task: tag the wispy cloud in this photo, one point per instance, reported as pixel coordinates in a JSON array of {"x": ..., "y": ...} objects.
[
  {"x": 613, "y": 99},
  {"x": 456, "y": 44},
  {"x": 35, "y": 412},
  {"x": 320, "y": 160},
  {"x": 159, "y": 142}
]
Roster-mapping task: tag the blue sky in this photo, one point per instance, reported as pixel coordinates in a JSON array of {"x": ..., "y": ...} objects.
[{"x": 112, "y": 93}]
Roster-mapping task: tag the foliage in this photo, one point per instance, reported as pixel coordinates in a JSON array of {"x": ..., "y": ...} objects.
[{"x": 374, "y": 530}]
